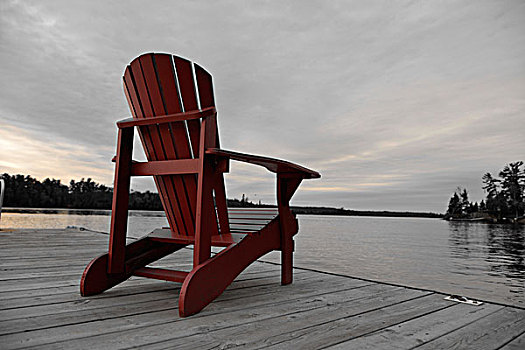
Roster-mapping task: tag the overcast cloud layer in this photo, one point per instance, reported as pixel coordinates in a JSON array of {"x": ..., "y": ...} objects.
[{"x": 394, "y": 103}]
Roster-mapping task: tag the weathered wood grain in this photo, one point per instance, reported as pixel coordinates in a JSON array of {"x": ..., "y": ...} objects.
[
  {"x": 251, "y": 289},
  {"x": 489, "y": 332},
  {"x": 318, "y": 327},
  {"x": 517, "y": 343},
  {"x": 40, "y": 307},
  {"x": 414, "y": 332},
  {"x": 227, "y": 311}
]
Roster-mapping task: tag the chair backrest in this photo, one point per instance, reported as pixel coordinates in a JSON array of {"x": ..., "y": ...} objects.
[{"x": 158, "y": 84}]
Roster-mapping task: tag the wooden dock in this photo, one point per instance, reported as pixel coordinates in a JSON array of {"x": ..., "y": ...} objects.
[{"x": 40, "y": 307}]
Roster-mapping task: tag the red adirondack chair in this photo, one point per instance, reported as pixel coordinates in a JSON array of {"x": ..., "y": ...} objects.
[{"x": 172, "y": 103}]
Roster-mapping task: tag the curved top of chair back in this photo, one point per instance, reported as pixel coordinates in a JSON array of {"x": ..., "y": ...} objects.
[{"x": 159, "y": 84}]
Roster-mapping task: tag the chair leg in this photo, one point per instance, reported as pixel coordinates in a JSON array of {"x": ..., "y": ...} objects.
[
  {"x": 208, "y": 280},
  {"x": 287, "y": 261},
  {"x": 96, "y": 278},
  {"x": 286, "y": 186},
  {"x": 289, "y": 228}
]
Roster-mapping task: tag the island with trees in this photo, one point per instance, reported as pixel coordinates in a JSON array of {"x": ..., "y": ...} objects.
[{"x": 504, "y": 202}]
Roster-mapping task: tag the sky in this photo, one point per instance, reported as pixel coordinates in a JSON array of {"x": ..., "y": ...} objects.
[{"x": 395, "y": 103}]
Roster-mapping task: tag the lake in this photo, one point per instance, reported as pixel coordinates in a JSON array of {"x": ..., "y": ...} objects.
[{"x": 480, "y": 261}]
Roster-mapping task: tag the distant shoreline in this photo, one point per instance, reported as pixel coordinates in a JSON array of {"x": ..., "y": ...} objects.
[
  {"x": 25, "y": 194},
  {"x": 350, "y": 212},
  {"x": 295, "y": 209}
]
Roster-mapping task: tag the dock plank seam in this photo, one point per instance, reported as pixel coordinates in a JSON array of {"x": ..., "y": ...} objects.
[
  {"x": 456, "y": 329},
  {"x": 198, "y": 316},
  {"x": 175, "y": 307},
  {"x": 298, "y": 313}
]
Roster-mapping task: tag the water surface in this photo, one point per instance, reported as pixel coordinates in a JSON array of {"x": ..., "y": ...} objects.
[{"x": 476, "y": 260}]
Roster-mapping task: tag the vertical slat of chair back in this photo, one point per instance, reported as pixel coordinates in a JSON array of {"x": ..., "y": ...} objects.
[
  {"x": 160, "y": 84},
  {"x": 146, "y": 138},
  {"x": 189, "y": 99}
]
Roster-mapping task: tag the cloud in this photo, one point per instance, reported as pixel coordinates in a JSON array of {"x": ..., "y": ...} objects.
[
  {"x": 394, "y": 103},
  {"x": 25, "y": 152}
]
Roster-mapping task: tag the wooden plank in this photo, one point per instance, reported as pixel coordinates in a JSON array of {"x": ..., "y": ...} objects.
[
  {"x": 35, "y": 252},
  {"x": 72, "y": 234},
  {"x": 317, "y": 310},
  {"x": 184, "y": 73},
  {"x": 244, "y": 229},
  {"x": 13, "y": 274},
  {"x": 51, "y": 255},
  {"x": 255, "y": 211},
  {"x": 20, "y": 285},
  {"x": 24, "y": 304},
  {"x": 149, "y": 311},
  {"x": 12, "y": 242},
  {"x": 164, "y": 235},
  {"x": 490, "y": 332},
  {"x": 173, "y": 103},
  {"x": 172, "y": 136},
  {"x": 142, "y": 328},
  {"x": 272, "y": 164},
  {"x": 120, "y": 202},
  {"x": 161, "y": 274},
  {"x": 9, "y": 317},
  {"x": 261, "y": 209},
  {"x": 72, "y": 303},
  {"x": 34, "y": 278},
  {"x": 15, "y": 245},
  {"x": 19, "y": 244},
  {"x": 249, "y": 227},
  {"x": 70, "y": 284},
  {"x": 58, "y": 289},
  {"x": 204, "y": 87},
  {"x": 156, "y": 134},
  {"x": 150, "y": 148},
  {"x": 22, "y": 280},
  {"x": 248, "y": 221},
  {"x": 168, "y": 118},
  {"x": 517, "y": 343},
  {"x": 165, "y": 167},
  {"x": 422, "y": 329},
  {"x": 312, "y": 328},
  {"x": 135, "y": 285},
  {"x": 231, "y": 323}
]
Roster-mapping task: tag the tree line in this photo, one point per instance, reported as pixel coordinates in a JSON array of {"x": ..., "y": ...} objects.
[
  {"x": 505, "y": 197},
  {"x": 26, "y": 191}
]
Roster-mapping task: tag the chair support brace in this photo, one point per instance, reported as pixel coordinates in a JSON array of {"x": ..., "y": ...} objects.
[
  {"x": 170, "y": 118},
  {"x": 165, "y": 167}
]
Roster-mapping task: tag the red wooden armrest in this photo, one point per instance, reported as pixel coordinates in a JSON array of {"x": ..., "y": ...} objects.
[
  {"x": 272, "y": 164},
  {"x": 162, "y": 119}
]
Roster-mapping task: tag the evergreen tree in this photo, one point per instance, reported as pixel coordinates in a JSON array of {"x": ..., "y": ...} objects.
[
  {"x": 513, "y": 187},
  {"x": 505, "y": 196},
  {"x": 465, "y": 204},
  {"x": 454, "y": 205}
]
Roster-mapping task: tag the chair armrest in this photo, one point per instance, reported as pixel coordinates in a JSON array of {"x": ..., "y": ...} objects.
[
  {"x": 274, "y": 165},
  {"x": 162, "y": 119}
]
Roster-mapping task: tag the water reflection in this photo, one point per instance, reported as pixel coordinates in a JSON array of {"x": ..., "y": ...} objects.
[
  {"x": 497, "y": 249},
  {"x": 506, "y": 246}
]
